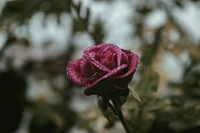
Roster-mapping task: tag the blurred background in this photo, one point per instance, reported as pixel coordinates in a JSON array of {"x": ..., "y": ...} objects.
[{"x": 39, "y": 37}]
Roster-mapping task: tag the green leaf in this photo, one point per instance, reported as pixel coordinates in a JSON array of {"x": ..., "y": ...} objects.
[{"x": 135, "y": 95}]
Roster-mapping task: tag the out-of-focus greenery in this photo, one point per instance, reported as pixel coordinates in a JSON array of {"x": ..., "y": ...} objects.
[{"x": 178, "y": 111}]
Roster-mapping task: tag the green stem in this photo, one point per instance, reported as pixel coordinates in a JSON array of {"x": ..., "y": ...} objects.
[{"x": 121, "y": 116}]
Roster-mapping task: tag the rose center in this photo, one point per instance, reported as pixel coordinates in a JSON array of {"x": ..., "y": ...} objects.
[{"x": 96, "y": 76}]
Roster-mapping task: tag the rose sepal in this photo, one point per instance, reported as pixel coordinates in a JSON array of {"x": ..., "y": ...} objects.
[{"x": 103, "y": 104}]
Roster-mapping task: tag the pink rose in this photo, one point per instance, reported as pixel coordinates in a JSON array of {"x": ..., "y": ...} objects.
[{"x": 105, "y": 70}]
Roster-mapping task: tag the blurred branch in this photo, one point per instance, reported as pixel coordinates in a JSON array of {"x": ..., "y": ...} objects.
[
  {"x": 150, "y": 52},
  {"x": 170, "y": 15},
  {"x": 11, "y": 38}
]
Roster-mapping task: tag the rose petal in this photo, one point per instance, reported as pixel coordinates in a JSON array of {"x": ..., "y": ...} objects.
[
  {"x": 98, "y": 64},
  {"x": 103, "y": 48},
  {"x": 133, "y": 62},
  {"x": 107, "y": 57},
  {"x": 119, "y": 55},
  {"x": 74, "y": 72},
  {"x": 116, "y": 50},
  {"x": 111, "y": 64},
  {"x": 124, "y": 59},
  {"x": 85, "y": 68},
  {"x": 109, "y": 61},
  {"x": 114, "y": 71}
]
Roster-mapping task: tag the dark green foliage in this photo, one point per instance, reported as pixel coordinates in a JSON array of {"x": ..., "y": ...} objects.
[
  {"x": 12, "y": 97},
  {"x": 22, "y": 10}
]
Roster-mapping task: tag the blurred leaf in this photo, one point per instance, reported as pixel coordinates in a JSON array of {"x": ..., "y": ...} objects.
[
  {"x": 21, "y": 10},
  {"x": 79, "y": 25},
  {"x": 194, "y": 129},
  {"x": 97, "y": 33},
  {"x": 12, "y": 98},
  {"x": 191, "y": 84},
  {"x": 177, "y": 101},
  {"x": 87, "y": 15},
  {"x": 194, "y": 51},
  {"x": 160, "y": 124},
  {"x": 174, "y": 84},
  {"x": 179, "y": 3},
  {"x": 43, "y": 121},
  {"x": 144, "y": 10},
  {"x": 156, "y": 104},
  {"x": 148, "y": 83}
]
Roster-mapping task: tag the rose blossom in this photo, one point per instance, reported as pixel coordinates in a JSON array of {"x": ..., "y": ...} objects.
[{"x": 105, "y": 70}]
